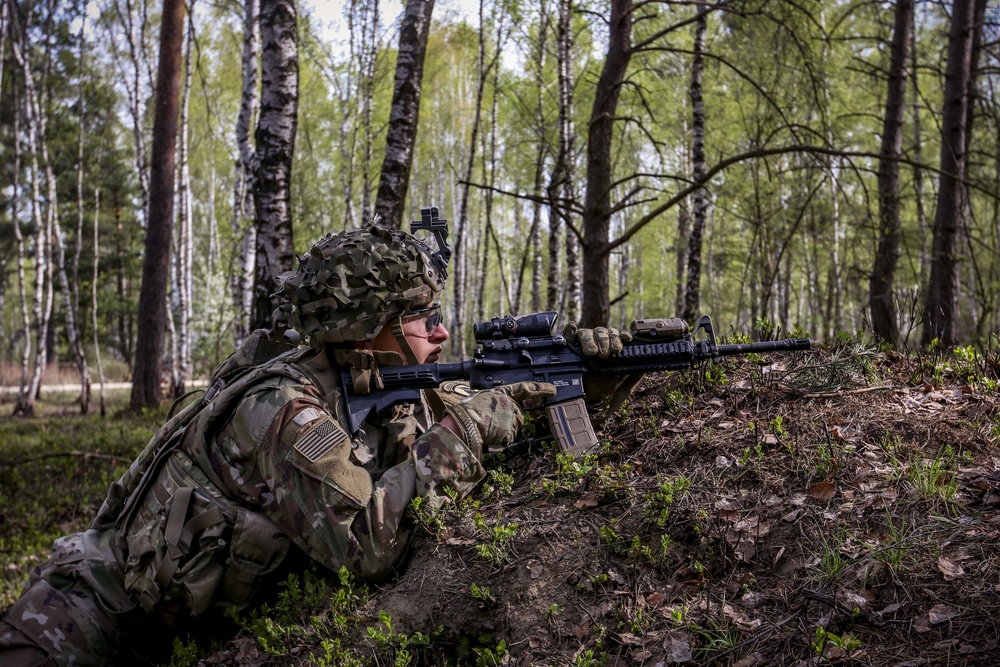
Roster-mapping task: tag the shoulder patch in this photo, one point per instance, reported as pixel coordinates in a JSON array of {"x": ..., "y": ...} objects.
[
  {"x": 320, "y": 439},
  {"x": 322, "y": 450}
]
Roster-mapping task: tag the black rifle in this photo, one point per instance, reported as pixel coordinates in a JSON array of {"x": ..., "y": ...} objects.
[{"x": 525, "y": 348}]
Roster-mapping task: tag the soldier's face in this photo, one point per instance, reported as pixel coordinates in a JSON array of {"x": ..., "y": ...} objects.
[{"x": 424, "y": 331}]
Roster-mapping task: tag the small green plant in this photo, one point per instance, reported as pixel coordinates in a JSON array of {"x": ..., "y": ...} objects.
[
  {"x": 482, "y": 593},
  {"x": 832, "y": 562},
  {"x": 893, "y": 553},
  {"x": 718, "y": 635},
  {"x": 590, "y": 659},
  {"x": 491, "y": 657},
  {"x": 497, "y": 550},
  {"x": 777, "y": 427},
  {"x": 657, "y": 505},
  {"x": 424, "y": 515},
  {"x": 553, "y": 610},
  {"x": 392, "y": 645},
  {"x": 185, "y": 654},
  {"x": 846, "y": 642},
  {"x": 934, "y": 479},
  {"x": 500, "y": 484}
]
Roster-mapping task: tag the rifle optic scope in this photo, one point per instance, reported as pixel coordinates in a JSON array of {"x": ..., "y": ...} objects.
[{"x": 528, "y": 326}]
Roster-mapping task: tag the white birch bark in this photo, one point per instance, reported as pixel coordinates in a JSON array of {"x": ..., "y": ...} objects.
[
  {"x": 73, "y": 307},
  {"x": 275, "y": 149},
  {"x": 93, "y": 300},
  {"x": 135, "y": 94},
  {"x": 183, "y": 245},
  {"x": 42, "y": 302},
  {"x": 404, "y": 115},
  {"x": 699, "y": 198},
  {"x": 19, "y": 240},
  {"x": 243, "y": 207}
]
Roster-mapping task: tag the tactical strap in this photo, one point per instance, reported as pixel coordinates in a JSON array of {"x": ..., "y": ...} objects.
[
  {"x": 404, "y": 345},
  {"x": 180, "y": 534}
]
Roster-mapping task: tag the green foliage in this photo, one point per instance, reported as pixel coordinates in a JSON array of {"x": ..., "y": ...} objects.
[
  {"x": 498, "y": 548},
  {"x": 846, "y": 642},
  {"x": 54, "y": 475},
  {"x": 396, "y": 647},
  {"x": 935, "y": 479},
  {"x": 657, "y": 504},
  {"x": 185, "y": 654}
]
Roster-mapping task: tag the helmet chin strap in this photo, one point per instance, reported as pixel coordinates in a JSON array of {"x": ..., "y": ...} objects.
[{"x": 404, "y": 345}]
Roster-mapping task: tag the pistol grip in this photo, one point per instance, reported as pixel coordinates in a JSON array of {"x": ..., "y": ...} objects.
[{"x": 570, "y": 424}]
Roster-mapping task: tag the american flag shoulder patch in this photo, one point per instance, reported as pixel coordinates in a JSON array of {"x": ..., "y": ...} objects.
[{"x": 320, "y": 439}]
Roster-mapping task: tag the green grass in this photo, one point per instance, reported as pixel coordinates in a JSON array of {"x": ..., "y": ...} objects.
[{"x": 54, "y": 475}]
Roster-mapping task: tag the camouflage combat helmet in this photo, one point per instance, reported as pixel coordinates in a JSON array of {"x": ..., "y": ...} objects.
[{"x": 349, "y": 285}]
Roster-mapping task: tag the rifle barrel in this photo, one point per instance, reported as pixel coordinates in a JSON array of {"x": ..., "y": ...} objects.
[{"x": 786, "y": 345}]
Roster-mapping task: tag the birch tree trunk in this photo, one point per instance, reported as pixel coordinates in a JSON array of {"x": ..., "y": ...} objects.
[
  {"x": 404, "y": 114},
  {"x": 941, "y": 295},
  {"x": 42, "y": 302},
  {"x": 74, "y": 305},
  {"x": 562, "y": 194},
  {"x": 19, "y": 240},
  {"x": 885, "y": 321},
  {"x": 699, "y": 198},
  {"x": 275, "y": 147},
  {"x": 368, "y": 54},
  {"x": 136, "y": 45},
  {"x": 244, "y": 227},
  {"x": 146, "y": 390},
  {"x": 184, "y": 246},
  {"x": 93, "y": 300},
  {"x": 460, "y": 259},
  {"x": 597, "y": 204}
]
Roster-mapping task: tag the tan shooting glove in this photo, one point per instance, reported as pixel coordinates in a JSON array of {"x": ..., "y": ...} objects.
[
  {"x": 489, "y": 420},
  {"x": 606, "y": 393}
]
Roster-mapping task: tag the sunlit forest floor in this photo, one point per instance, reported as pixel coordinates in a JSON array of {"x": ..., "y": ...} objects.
[{"x": 835, "y": 507}]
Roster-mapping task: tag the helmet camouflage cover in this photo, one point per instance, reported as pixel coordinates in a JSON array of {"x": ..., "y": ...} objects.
[{"x": 349, "y": 285}]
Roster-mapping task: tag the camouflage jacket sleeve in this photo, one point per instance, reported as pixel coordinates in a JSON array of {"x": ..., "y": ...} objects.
[{"x": 288, "y": 455}]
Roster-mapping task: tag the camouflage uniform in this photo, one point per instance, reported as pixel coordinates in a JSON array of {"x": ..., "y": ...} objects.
[{"x": 268, "y": 461}]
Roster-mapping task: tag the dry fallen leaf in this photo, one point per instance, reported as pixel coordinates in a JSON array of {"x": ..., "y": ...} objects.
[
  {"x": 949, "y": 568},
  {"x": 822, "y": 491},
  {"x": 940, "y": 613},
  {"x": 678, "y": 647},
  {"x": 587, "y": 500},
  {"x": 922, "y": 623}
]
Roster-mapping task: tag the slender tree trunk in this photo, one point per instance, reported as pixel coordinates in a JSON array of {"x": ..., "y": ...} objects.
[
  {"x": 4, "y": 23},
  {"x": 244, "y": 229},
  {"x": 699, "y": 198},
  {"x": 918, "y": 175},
  {"x": 275, "y": 148},
  {"x": 19, "y": 240},
  {"x": 74, "y": 307},
  {"x": 885, "y": 322},
  {"x": 369, "y": 53},
  {"x": 404, "y": 114},
  {"x": 597, "y": 204},
  {"x": 137, "y": 52},
  {"x": 185, "y": 231},
  {"x": 349, "y": 128},
  {"x": 146, "y": 390},
  {"x": 941, "y": 295},
  {"x": 42, "y": 303},
  {"x": 463, "y": 209},
  {"x": 93, "y": 300}
]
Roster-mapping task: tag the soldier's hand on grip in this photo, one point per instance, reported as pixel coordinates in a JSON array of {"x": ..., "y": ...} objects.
[
  {"x": 598, "y": 342},
  {"x": 491, "y": 419}
]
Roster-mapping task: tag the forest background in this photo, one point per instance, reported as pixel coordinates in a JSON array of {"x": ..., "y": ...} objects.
[{"x": 816, "y": 167}]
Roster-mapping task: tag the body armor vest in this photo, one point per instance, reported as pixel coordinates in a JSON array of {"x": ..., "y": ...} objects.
[{"x": 188, "y": 546}]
